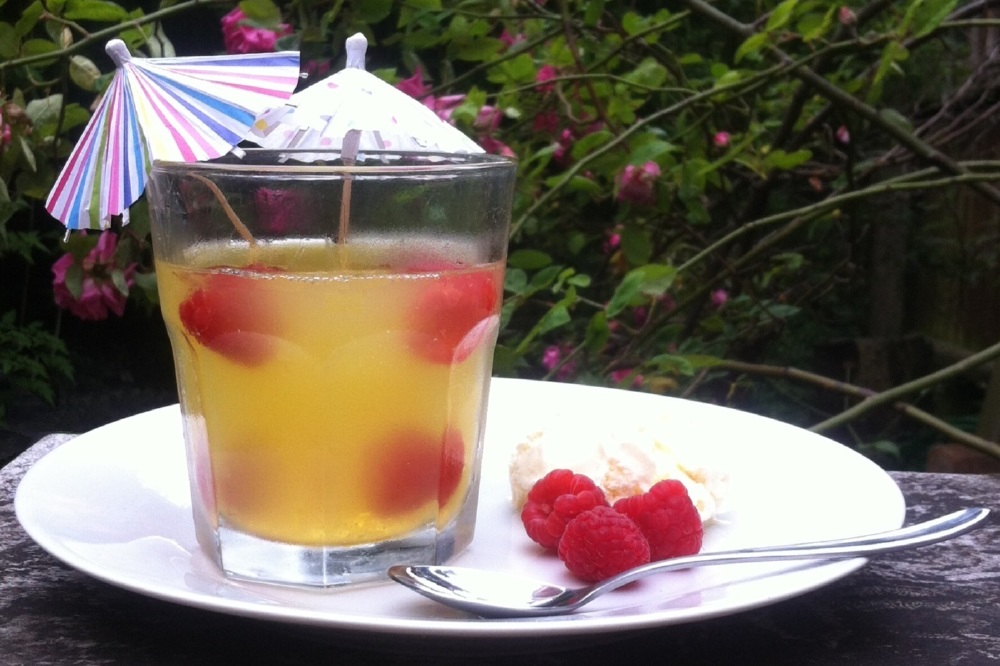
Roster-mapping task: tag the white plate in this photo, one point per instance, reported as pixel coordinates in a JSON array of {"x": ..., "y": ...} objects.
[{"x": 114, "y": 503}]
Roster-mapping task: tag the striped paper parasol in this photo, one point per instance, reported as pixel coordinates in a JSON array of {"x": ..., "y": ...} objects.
[
  {"x": 179, "y": 109},
  {"x": 354, "y": 110}
]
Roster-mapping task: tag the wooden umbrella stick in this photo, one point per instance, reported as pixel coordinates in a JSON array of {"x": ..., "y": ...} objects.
[{"x": 241, "y": 228}]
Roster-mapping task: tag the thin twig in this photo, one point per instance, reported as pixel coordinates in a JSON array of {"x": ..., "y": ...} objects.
[
  {"x": 891, "y": 395},
  {"x": 106, "y": 33},
  {"x": 955, "y": 434}
]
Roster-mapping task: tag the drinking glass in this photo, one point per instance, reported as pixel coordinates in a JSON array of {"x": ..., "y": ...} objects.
[{"x": 333, "y": 324}]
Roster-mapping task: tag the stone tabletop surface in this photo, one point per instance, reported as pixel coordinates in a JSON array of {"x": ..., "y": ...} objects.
[{"x": 928, "y": 606}]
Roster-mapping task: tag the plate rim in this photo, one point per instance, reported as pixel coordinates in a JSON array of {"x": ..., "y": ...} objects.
[{"x": 458, "y": 628}]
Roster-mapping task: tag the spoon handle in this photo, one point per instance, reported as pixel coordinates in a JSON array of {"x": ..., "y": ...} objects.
[{"x": 921, "y": 534}]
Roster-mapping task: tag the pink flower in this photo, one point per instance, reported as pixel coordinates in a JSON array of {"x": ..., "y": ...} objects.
[
  {"x": 317, "y": 69},
  {"x": 637, "y": 185},
  {"x": 847, "y": 16},
  {"x": 843, "y": 134},
  {"x": 98, "y": 292},
  {"x": 618, "y": 376},
  {"x": 239, "y": 36},
  {"x": 546, "y": 122},
  {"x": 496, "y": 147},
  {"x": 545, "y": 73},
  {"x": 417, "y": 89},
  {"x": 562, "y": 152},
  {"x": 719, "y": 297},
  {"x": 488, "y": 119},
  {"x": 613, "y": 240},
  {"x": 551, "y": 358},
  {"x": 509, "y": 40},
  {"x": 444, "y": 105},
  {"x": 414, "y": 86},
  {"x": 280, "y": 211},
  {"x": 721, "y": 139}
]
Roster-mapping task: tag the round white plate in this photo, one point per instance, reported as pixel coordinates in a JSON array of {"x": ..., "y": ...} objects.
[{"x": 114, "y": 504}]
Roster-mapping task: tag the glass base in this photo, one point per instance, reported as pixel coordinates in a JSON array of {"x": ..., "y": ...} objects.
[{"x": 246, "y": 557}]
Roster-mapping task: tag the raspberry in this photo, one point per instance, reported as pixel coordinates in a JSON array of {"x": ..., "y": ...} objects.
[
  {"x": 554, "y": 500},
  {"x": 602, "y": 542},
  {"x": 668, "y": 518}
]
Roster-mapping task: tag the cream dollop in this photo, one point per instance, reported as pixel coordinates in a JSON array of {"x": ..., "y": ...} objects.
[{"x": 623, "y": 460}]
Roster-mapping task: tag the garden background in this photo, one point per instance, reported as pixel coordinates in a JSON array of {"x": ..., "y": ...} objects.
[{"x": 785, "y": 207}]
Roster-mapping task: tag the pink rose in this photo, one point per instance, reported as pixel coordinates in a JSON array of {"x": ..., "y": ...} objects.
[
  {"x": 414, "y": 86},
  {"x": 239, "y": 36},
  {"x": 719, "y": 298},
  {"x": 721, "y": 139},
  {"x": 496, "y": 147},
  {"x": 98, "y": 292},
  {"x": 637, "y": 184},
  {"x": 545, "y": 74}
]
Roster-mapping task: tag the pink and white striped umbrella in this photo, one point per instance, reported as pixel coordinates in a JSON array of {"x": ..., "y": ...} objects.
[{"x": 178, "y": 109}]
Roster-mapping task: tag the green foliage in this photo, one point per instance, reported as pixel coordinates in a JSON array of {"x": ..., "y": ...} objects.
[
  {"x": 32, "y": 361},
  {"x": 695, "y": 182}
]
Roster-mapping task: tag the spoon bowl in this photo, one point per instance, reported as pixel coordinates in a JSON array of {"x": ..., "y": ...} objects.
[{"x": 492, "y": 594}]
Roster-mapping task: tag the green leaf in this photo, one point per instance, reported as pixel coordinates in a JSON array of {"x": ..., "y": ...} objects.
[
  {"x": 925, "y": 16},
  {"x": 649, "y": 73},
  {"x": 264, "y": 12},
  {"x": 543, "y": 279},
  {"x": 598, "y": 333},
  {"x": 636, "y": 245},
  {"x": 592, "y": 13},
  {"x": 27, "y": 153},
  {"x": 553, "y": 319},
  {"x": 374, "y": 11},
  {"x": 671, "y": 363},
  {"x": 94, "y": 10},
  {"x": 633, "y": 23},
  {"x": 44, "y": 110},
  {"x": 476, "y": 50},
  {"x": 29, "y": 18},
  {"x": 84, "y": 72},
  {"x": 814, "y": 25},
  {"x": 74, "y": 280},
  {"x": 651, "y": 280},
  {"x": 651, "y": 151},
  {"x": 781, "y": 15},
  {"x": 590, "y": 143},
  {"x": 36, "y": 47},
  {"x": 779, "y": 159},
  {"x": 515, "y": 281},
  {"x": 10, "y": 42},
  {"x": 529, "y": 260}
]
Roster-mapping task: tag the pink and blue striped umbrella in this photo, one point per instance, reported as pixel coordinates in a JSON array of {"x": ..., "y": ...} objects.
[{"x": 178, "y": 109}]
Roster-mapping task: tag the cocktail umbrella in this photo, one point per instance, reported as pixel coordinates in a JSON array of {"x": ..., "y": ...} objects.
[
  {"x": 178, "y": 109},
  {"x": 353, "y": 111}
]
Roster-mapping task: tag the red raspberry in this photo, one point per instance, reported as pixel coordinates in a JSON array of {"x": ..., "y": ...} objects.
[
  {"x": 602, "y": 542},
  {"x": 554, "y": 500},
  {"x": 668, "y": 518}
]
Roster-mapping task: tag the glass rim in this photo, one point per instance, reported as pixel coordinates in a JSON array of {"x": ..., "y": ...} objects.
[{"x": 282, "y": 160}]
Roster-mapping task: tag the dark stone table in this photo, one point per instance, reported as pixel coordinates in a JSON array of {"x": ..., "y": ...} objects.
[{"x": 930, "y": 606}]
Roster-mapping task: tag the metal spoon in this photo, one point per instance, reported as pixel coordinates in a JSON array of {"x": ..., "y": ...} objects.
[{"x": 494, "y": 594}]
